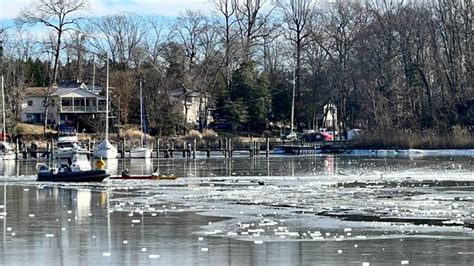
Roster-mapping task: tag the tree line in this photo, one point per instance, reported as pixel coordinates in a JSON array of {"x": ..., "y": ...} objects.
[{"x": 385, "y": 64}]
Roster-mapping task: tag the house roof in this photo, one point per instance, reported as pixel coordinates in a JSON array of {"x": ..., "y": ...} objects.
[
  {"x": 60, "y": 92},
  {"x": 38, "y": 91},
  {"x": 75, "y": 92}
]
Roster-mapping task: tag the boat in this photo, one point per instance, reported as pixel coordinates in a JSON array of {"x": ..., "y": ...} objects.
[
  {"x": 77, "y": 169},
  {"x": 6, "y": 150},
  {"x": 143, "y": 151},
  {"x": 68, "y": 143},
  {"x": 105, "y": 149}
]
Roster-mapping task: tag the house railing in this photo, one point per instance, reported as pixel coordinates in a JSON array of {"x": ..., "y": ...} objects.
[{"x": 83, "y": 109}]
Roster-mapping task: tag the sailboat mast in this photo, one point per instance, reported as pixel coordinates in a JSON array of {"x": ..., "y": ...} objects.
[
  {"x": 141, "y": 110},
  {"x": 3, "y": 111},
  {"x": 107, "y": 102},
  {"x": 93, "y": 73}
]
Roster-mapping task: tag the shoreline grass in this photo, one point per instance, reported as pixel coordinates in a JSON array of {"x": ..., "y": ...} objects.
[{"x": 456, "y": 138}]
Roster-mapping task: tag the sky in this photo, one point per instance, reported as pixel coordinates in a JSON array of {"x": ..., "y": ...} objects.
[{"x": 10, "y": 8}]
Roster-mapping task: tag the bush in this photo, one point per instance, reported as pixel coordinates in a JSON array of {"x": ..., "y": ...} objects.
[
  {"x": 193, "y": 135},
  {"x": 209, "y": 135}
]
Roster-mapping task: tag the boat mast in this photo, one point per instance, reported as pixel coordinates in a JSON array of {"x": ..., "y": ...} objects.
[
  {"x": 93, "y": 72},
  {"x": 107, "y": 102},
  {"x": 141, "y": 111},
  {"x": 293, "y": 100},
  {"x": 3, "y": 112}
]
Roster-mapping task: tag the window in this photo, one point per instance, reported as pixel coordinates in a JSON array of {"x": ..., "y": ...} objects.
[{"x": 30, "y": 103}]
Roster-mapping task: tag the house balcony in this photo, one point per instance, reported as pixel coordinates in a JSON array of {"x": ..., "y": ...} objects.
[
  {"x": 82, "y": 109},
  {"x": 82, "y": 105}
]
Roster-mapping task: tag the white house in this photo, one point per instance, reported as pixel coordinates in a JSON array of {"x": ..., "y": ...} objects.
[{"x": 64, "y": 104}]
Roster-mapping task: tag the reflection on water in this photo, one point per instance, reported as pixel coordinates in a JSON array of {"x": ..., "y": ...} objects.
[
  {"x": 322, "y": 167},
  {"x": 64, "y": 226}
]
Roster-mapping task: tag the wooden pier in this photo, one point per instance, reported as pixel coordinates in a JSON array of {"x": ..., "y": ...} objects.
[{"x": 227, "y": 147}]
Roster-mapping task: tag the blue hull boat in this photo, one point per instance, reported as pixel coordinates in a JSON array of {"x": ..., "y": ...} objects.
[{"x": 82, "y": 176}]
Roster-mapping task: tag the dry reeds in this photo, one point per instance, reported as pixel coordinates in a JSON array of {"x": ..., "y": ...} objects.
[
  {"x": 210, "y": 135},
  {"x": 193, "y": 135},
  {"x": 456, "y": 138}
]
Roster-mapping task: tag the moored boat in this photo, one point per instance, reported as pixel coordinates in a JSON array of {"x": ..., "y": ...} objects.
[
  {"x": 140, "y": 152},
  {"x": 68, "y": 143}
]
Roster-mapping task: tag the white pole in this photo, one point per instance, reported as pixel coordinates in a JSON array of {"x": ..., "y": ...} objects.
[
  {"x": 293, "y": 101},
  {"x": 93, "y": 72},
  {"x": 3, "y": 111},
  {"x": 141, "y": 110},
  {"x": 107, "y": 102}
]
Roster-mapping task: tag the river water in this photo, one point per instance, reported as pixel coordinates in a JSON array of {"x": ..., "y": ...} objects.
[{"x": 282, "y": 210}]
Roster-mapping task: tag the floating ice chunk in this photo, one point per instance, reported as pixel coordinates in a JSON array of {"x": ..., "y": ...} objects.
[
  {"x": 347, "y": 229},
  {"x": 125, "y": 242},
  {"x": 90, "y": 214},
  {"x": 267, "y": 223},
  {"x": 200, "y": 238},
  {"x": 256, "y": 230},
  {"x": 232, "y": 234},
  {"x": 31, "y": 215},
  {"x": 13, "y": 233},
  {"x": 106, "y": 254},
  {"x": 339, "y": 251},
  {"x": 365, "y": 264},
  {"x": 69, "y": 211},
  {"x": 355, "y": 245},
  {"x": 49, "y": 235},
  {"x": 63, "y": 229},
  {"x": 153, "y": 256},
  {"x": 204, "y": 249},
  {"x": 143, "y": 249},
  {"x": 26, "y": 189},
  {"x": 135, "y": 221},
  {"x": 404, "y": 262},
  {"x": 258, "y": 242}
]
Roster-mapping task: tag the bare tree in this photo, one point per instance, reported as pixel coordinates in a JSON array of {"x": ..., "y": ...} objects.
[
  {"x": 188, "y": 29},
  {"x": 120, "y": 35},
  {"x": 227, "y": 9},
  {"x": 60, "y": 16},
  {"x": 252, "y": 19},
  {"x": 298, "y": 16}
]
